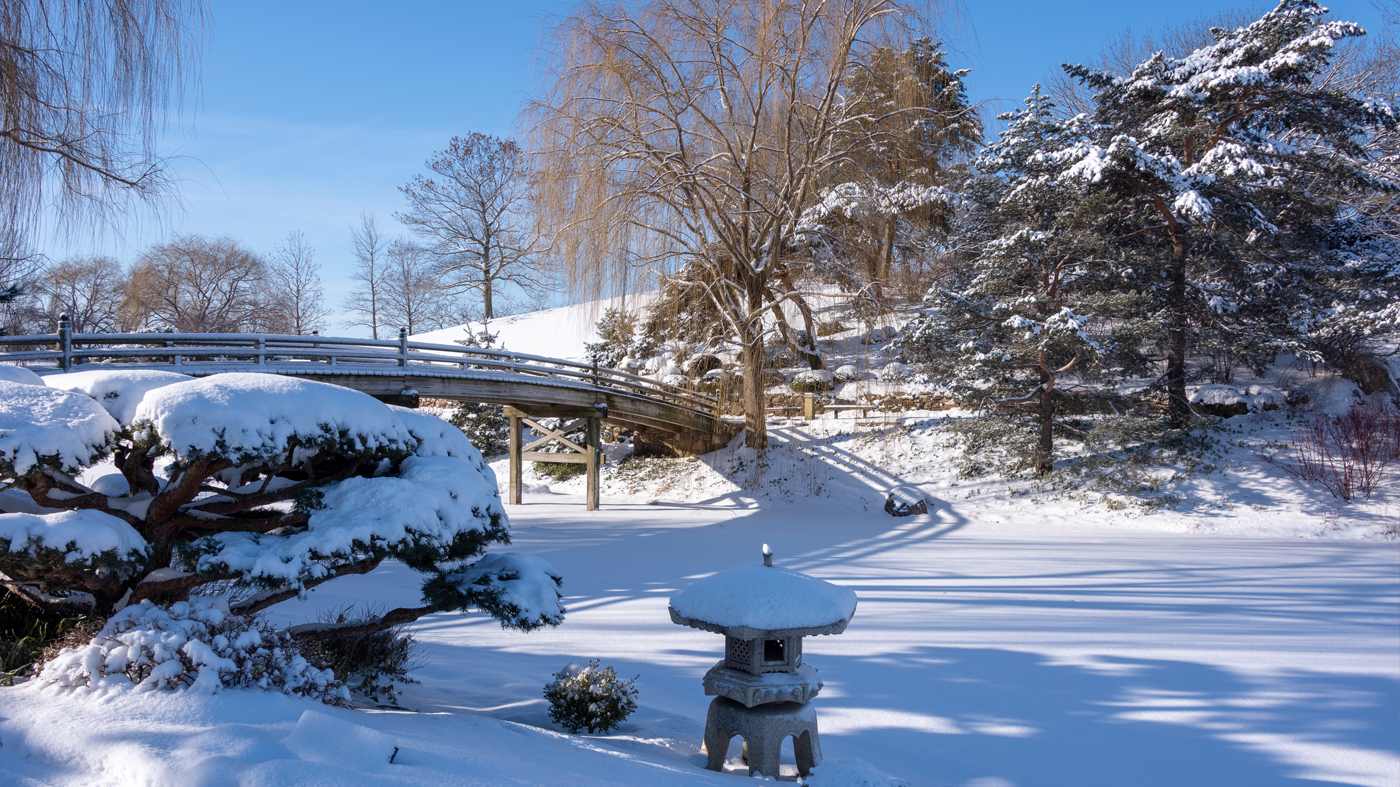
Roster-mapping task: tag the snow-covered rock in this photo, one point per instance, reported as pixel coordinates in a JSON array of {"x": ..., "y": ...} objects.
[
  {"x": 895, "y": 371},
  {"x": 1226, "y": 401},
  {"x": 847, "y": 373},
  {"x": 117, "y": 390},
  {"x": 38, "y": 423}
]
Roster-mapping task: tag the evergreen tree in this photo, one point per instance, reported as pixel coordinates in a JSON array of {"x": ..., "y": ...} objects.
[
  {"x": 1016, "y": 326},
  {"x": 1220, "y": 168}
]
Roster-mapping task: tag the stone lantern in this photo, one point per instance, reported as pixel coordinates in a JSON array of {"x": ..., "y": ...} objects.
[{"x": 762, "y": 687}]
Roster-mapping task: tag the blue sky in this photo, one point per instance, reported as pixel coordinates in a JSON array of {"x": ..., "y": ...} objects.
[{"x": 311, "y": 112}]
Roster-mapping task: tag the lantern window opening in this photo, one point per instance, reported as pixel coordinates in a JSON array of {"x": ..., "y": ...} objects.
[{"x": 773, "y": 651}]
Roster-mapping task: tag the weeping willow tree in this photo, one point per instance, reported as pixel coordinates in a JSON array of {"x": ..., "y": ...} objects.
[
  {"x": 677, "y": 133},
  {"x": 85, "y": 86}
]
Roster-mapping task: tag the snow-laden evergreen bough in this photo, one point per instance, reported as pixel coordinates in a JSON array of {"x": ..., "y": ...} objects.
[{"x": 257, "y": 487}]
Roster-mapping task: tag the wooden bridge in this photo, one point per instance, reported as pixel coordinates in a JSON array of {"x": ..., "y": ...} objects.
[{"x": 401, "y": 371}]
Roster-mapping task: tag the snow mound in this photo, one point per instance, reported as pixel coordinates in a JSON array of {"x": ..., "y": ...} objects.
[
  {"x": 117, "y": 390},
  {"x": 18, "y": 374},
  {"x": 769, "y": 598},
  {"x": 250, "y": 417},
  {"x": 80, "y": 534},
  {"x": 846, "y": 773},
  {"x": 40, "y": 424},
  {"x": 326, "y": 739}
]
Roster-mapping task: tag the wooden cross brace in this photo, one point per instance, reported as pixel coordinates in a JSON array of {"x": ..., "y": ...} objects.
[{"x": 556, "y": 434}]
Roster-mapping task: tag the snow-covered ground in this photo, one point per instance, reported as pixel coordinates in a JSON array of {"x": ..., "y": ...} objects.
[{"x": 995, "y": 644}]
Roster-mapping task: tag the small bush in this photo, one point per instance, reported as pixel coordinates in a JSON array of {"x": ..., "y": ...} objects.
[
  {"x": 377, "y": 660},
  {"x": 590, "y": 698},
  {"x": 825, "y": 329},
  {"x": 1348, "y": 454},
  {"x": 197, "y": 644},
  {"x": 560, "y": 471}
]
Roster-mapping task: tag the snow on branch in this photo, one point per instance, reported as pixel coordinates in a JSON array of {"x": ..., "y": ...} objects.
[{"x": 41, "y": 427}]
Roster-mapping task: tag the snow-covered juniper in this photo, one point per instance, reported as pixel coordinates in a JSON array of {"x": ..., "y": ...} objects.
[{"x": 268, "y": 485}]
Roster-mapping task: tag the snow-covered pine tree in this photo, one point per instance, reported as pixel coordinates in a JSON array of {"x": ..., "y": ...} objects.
[
  {"x": 1213, "y": 163},
  {"x": 1013, "y": 329},
  {"x": 268, "y": 484}
]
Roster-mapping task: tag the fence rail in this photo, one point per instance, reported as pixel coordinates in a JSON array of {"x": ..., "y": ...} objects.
[{"x": 208, "y": 353}]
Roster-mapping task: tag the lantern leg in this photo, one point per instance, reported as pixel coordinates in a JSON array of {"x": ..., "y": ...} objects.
[{"x": 716, "y": 739}]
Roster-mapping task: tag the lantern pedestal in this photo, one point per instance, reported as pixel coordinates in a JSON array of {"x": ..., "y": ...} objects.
[{"x": 763, "y": 729}]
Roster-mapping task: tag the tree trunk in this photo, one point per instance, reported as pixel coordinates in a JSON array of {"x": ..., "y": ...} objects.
[
  {"x": 755, "y": 420},
  {"x": 487, "y": 313},
  {"x": 886, "y": 261},
  {"x": 1045, "y": 447},
  {"x": 1178, "y": 405}
]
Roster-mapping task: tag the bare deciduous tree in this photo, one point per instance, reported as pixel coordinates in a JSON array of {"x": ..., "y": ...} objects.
[
  {"x": 697, "y": 131},
  {"x": 412, "y": 296},
  {"x": 88, "y": 290},
  {"x": 296, "y": 304},
  {"x": 194, "y": 284},
  {"x": 365, "y": 302},
  {"x": 84, "y": 88},
  {"x": 474, "y": 214}
]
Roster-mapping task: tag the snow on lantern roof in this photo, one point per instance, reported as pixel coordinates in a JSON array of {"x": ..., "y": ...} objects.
[{"x": 758, "y": 601}]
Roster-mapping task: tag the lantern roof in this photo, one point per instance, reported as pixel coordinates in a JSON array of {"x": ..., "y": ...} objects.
[{"x": 762, "y": 601}]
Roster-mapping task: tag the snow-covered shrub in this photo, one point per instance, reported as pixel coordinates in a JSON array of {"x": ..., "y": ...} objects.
[
  {"x": 590, "y": 697},
  {"x": 618, "y": 339},
  {"x": 812, "y": 381},
  {"x": 251, "y": 487},
  {"x": 197, "y": 643},
  {"x": 369, "y": 663}
]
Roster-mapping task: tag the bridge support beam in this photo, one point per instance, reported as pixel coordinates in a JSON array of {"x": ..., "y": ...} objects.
[{"x": 588, "y": 453}]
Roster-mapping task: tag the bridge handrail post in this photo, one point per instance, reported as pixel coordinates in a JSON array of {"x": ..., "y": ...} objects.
[
  {"x": 262, "y": 350},
  {"x": 65, "y": 342},
  {"x": 403, "y": 348}
]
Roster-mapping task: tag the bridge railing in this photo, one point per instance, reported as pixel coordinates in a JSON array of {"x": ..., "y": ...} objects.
[{"x": 206, "y": 353}]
